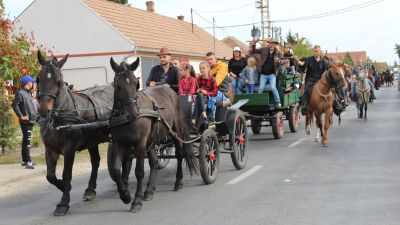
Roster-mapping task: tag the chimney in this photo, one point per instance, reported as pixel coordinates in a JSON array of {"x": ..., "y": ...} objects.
[
  {"x": 150, "y": 6},
  {"x": 181, "y": 18}
]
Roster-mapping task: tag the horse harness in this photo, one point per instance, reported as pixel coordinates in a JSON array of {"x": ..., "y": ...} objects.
[{"x": 331, "y": 84}]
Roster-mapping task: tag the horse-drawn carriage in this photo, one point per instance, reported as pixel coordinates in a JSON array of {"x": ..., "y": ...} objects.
[
  {"x": 261, "y": 110},
  {"x": 227, "y": 135}
]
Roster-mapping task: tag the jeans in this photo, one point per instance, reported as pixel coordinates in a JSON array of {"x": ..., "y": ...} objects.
[
  {"x": 26, "y": 141},
  {"x": 306, "y": 94},
  {"x": 237, "y": 85},
  {"x": 212, "y": 103},
  {"x": 199, "y": 106},
  {"x": 250, "y": 88},
  {"x": 272, "y": 83}
]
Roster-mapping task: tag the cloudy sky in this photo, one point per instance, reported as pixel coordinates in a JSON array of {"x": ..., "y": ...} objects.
[{"x": 340, "y": 25}]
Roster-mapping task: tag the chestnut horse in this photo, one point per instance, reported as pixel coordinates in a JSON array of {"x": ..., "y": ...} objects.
[{"x": 321, "y": 100}]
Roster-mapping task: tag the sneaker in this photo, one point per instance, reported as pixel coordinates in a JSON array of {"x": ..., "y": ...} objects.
[{"x": 30, "y": 165}]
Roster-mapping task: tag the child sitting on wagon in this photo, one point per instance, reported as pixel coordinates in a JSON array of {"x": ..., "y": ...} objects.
[{"x": 207, "y": 89}]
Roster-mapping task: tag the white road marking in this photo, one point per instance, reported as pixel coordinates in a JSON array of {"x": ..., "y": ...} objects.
[
  {"x": 296, "y": 143},
  {"x": 245, "y": 175}
]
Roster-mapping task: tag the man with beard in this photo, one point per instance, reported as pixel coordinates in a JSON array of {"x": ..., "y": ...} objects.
[{"x": 165, "y": 73}]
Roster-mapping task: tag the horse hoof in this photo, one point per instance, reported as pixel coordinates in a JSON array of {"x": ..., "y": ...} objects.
[
  {"x": 178, "y": 187},
  {"x": 136, "y": 208},
  {"x": 318, "y": 140},
  {"x": 61, "y": 210},
  {"x": 89, "y": 195},
  {"x": 148, "y": 196},
  {"x": 125, "y": 197},
  {"x": 325, "y": 144}
]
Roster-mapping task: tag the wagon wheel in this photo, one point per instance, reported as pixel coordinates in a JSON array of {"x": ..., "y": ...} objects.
[
  {"x": 278, "y": 127},
  {"x": 163, "y": 162},
  {"x": 255, "y": 125},
  {"x": 209, "y": 156},
  {"x": 110, "y": 159},
  {"x": 293, "y": 119},
  {"x": 238, "y": 142}
]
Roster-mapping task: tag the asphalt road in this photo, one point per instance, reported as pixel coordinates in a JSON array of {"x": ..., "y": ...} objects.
[{"x": 354, "y": 181}]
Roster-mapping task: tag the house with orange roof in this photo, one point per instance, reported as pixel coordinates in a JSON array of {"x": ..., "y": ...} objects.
[
  {"x": 92, "y": 31},
  {"x": 355, "y": 55}
]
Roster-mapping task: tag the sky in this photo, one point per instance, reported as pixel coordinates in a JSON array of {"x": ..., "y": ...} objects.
[{"x": 374, "y": 28}]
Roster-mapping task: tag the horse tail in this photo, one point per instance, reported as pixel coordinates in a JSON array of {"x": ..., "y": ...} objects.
[{"x": 187, "y": 148}]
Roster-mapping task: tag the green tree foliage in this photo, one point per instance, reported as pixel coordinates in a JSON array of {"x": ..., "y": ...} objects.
[
  {"x": 347, "y": 59},
  {"x": 16, "y": 59},
  {"x": 397, "y": 49},
  {"x": 302, "y": 48},
  {"x": 124, "y": 2},
  {"x": 290, "y": 38}
]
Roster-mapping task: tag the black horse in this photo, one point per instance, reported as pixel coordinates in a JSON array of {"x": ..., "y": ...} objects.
[
  {"x": 141, "y": 121},
  {"x": 59, "y": 106}
]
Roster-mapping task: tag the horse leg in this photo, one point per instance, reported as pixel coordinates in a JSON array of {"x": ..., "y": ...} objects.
[
  {"x": 319, "y": 130},
  {"x": 118, "y": 155},
  {"x": 90, "y": 192},
  {"x": 126, "y": 167},
  {"x": 153, "y": 162},
  {"x": 69, "y": 157},
  {"x": 139, "y": 173},
  {"x": 51, "y": 162},
  {"x": 179, "y": 172},
  {"x": 326, "y": 127},
  {"x": 365, "y": 111},
  {"x": 308, "y": 123}
]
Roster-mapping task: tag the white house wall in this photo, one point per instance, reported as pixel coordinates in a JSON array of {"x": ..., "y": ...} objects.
[{"x": 69, "y": 26}]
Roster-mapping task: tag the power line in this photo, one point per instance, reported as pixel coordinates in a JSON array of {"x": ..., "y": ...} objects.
[
  {"x": 316, "y": 16},
  {"x": 226, "y": 10}
]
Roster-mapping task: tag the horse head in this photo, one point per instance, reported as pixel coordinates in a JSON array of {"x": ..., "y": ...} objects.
[
  {"x": 126, "y": 85},
  {"x": 336, "y": 74},
  {"x": 49, "y": 82}
]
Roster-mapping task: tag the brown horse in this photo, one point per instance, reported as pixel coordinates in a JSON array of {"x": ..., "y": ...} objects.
[{"x": 321, "y": 100}]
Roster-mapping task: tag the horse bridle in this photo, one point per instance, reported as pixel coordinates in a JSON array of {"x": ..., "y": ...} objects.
[
  {"x": 50, "y": 94},
  {"x": 132, "y": 101}
]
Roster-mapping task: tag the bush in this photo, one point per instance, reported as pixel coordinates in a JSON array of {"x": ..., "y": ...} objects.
[{"x": 7, "y": 129}]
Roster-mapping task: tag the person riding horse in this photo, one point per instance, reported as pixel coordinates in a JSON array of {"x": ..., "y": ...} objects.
[
  {"x": 356, "y": 71},
  {"x": 315, "y": 66}
]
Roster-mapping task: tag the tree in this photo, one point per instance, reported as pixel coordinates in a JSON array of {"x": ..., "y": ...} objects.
[
  {"x": 348, "y": 60},
  {"x": 16, "y": 59},
  {"x": 302, "y": 48},
  {"x": 291, "y": 39},
  {"x": 123, "y": 2},
  {"x": 397, "y": 49}
]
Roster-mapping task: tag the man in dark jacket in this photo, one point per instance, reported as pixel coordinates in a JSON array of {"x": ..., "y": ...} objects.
[
  {"x": 23, "y": 107},
  {"x": 165, "y": 73}
]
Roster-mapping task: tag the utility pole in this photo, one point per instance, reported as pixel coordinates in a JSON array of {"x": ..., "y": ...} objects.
[
  {"x": 263, "y": 5},
  {"x": 214, "y": 34},
  {"x": 191, "y": 16}
]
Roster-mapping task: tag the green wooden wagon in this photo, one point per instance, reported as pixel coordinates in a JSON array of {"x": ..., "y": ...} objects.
[{"x": 261, "y": 110}]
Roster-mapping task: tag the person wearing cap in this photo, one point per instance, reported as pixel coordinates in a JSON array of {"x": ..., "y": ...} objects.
[
  {"x": 235, "y": 66},
  {"x": 268, "y": 66},
  {"x": 165, "y": 73},
  {"x": 25, "y": 110}
]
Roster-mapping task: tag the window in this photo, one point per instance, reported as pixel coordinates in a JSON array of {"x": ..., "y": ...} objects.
[{"x": 147, "y": 64}]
